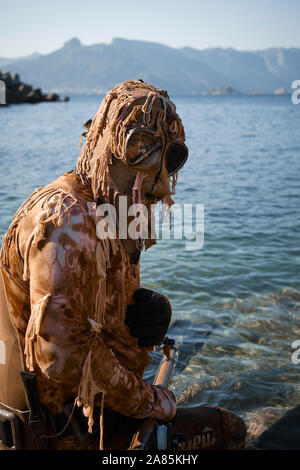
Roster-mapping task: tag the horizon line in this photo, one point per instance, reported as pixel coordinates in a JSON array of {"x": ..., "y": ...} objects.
[{"x": 148, "y": 42}]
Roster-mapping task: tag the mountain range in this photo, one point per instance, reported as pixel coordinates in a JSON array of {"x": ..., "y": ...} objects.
[{"x": 76, "y": 68}]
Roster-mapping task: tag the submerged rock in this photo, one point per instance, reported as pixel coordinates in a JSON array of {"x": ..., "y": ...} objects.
[{"x": 17, "y": 92}]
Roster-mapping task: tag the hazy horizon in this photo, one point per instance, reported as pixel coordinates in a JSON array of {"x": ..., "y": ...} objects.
[
  {"x": 238, "y": 24},
  {"x": 154, "y": 42}
]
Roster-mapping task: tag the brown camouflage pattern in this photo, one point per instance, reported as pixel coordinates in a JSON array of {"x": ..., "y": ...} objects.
[{"x": 67, "y": 293}]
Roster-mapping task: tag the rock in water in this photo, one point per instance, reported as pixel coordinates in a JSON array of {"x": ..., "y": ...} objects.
[
  {"x": 24, "y": 89},
  {"x": 52, "y": 97},
  {"x": 17, "y": 92},
  {"x": 284, "y": 434}
]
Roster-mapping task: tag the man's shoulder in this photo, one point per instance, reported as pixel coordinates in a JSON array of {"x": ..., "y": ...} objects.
[
  {"x": 61, "y": 206},
  {"x": 66, "y": 203},
  {"x": 72, "y": 184},
  {"x": 59, "y": 212},
  {"x": 54, "y": 202}
]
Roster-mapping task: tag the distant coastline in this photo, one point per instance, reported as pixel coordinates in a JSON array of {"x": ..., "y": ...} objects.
[
  {"x": 95, "y": 69},
  {"x": 228, "y": 90}
]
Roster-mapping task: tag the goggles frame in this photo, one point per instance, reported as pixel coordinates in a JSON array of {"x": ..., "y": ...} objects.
[{"x": 156, "y": 146}]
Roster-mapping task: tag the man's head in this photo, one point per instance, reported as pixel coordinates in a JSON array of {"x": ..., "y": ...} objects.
[{"x": 135, "y": 145}]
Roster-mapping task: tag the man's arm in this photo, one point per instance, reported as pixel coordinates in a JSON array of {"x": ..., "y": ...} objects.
[{"x": 62, "y": 338}]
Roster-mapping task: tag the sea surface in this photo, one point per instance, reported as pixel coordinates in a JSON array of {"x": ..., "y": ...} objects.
[{"x": 236, "y": 301}]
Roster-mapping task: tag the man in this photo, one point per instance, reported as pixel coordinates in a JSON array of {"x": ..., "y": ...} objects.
[{"x": 83, "y": 324}]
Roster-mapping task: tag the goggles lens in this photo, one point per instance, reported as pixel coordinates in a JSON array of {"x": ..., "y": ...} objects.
[
  {"x": 141, "y": 145},
  {"x": 176, "y": 157}
]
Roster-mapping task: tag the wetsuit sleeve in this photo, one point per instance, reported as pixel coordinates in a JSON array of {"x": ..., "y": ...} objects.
[{"x": 63, "y": 337}]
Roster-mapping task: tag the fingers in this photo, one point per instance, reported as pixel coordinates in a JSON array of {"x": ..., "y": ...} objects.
[
  {"x": 149, "y": 308},
  {"x": 148, "y": 318},
  {"x": 142, "y": 295},
  {"x": 149, "y": 342},
  {"x": 155, "y": 332},
  {"x": 136, "y": 318}
]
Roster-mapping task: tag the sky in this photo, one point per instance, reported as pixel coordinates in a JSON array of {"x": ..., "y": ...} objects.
[{"x": 28, "y": 26}]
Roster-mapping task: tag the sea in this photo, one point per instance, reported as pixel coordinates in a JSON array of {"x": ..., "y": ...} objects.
[{"x": 235, "y": 299}]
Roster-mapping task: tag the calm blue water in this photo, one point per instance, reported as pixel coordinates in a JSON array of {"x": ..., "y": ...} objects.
[{"x": 242, "y": 288}]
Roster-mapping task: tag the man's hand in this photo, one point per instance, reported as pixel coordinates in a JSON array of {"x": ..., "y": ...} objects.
[{"x": 149, "y": 317}]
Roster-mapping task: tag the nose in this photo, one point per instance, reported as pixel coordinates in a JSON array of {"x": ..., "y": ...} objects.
[{"x": 162, "y": 186}]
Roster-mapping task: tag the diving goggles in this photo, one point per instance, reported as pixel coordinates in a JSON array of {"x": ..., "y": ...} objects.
[{"x": 143, "y": 150}]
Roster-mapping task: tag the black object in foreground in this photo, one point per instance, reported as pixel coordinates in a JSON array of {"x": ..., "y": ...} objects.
[
  {"x": 148, "y": 318},
  {"x": 284, "y": 434},
  {"x": 17, "y": 92},
  {"x": 37, "y": 418}
]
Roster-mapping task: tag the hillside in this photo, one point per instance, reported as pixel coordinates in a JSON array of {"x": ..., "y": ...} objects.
[{"x": 76, "y": 68}]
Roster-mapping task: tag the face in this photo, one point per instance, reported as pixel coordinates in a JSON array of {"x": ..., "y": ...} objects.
[
  {"x": 155, "y": 185},
  {"x": 158, "y": 160}
]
